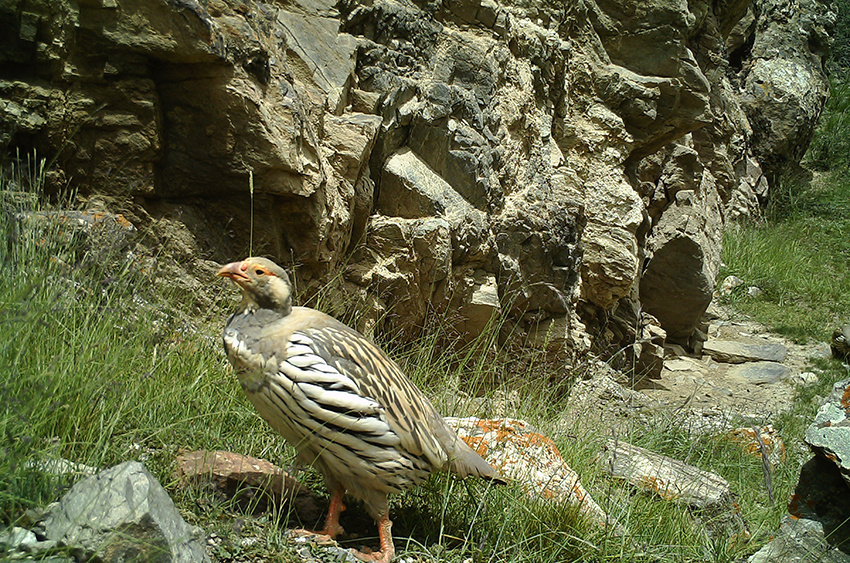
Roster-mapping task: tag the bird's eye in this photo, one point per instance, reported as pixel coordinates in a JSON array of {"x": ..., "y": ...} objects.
[{"x": 259, "y": 272}]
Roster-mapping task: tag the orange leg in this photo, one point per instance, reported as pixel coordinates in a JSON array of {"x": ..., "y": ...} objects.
[
  {"x": 387, "y": 549},
  {"x": 332, "y": 527}
]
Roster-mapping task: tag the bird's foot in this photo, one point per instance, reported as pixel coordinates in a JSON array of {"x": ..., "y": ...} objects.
[
  {"x": 384, "y": 556},
  {"x": 321, "y": 537}
]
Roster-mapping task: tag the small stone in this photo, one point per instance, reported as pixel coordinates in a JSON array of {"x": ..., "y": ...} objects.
[
  {"x": 725, "y": 391},
  {"x": 681, "y": 364},
  {"x": 754, "y": 292},
  {"x": 17, "y": 537},
  {"x": 729, "y": 285},
  {"x": 805, "y": 378},
  {"x": 62, "y": 466}
]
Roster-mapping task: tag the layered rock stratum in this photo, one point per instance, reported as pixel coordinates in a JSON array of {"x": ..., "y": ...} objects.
[{"x": 568, "y": 166}]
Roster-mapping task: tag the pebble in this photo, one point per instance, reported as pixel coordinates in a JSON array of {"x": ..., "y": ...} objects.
[{"x": 805, "y": 378}]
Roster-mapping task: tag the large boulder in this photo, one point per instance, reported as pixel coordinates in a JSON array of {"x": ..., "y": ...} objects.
[{"x": 784, "y": 82}]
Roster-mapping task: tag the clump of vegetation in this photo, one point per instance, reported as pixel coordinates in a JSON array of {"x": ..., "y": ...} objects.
[
  {"x": 799, "y": 257},
  {"x": 830, "y": 148}
]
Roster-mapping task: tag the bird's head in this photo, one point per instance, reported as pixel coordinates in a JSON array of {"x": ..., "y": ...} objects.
[{"x": 264, "y": 284}]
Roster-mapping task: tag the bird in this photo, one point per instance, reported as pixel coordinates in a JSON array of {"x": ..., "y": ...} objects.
[{"x": 345, "y": 406}]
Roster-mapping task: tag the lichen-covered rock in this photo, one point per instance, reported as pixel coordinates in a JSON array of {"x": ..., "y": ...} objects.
[
  {"x": 829, "y": 434},
  {"x": 816, "y": 525},
  {"x": 785, "y": 86},
  {"x": 531, "y": 459}
]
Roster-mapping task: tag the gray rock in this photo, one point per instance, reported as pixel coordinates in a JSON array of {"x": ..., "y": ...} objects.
[
  {"x": 729, "y": 285},
  {"x": 16, "y": 536},
  {"x": 817, "y": 526},
  {"x": 829, "y": 434},
  {"x": 18, "y": 543},
  {"x": 799, "y": 541},
  {"x": 784, "y": 83},
  {"x": 805, "y": 378},
  {"x": 123, "y": 513},
  {"x": 760, "y": 373},
  {"x": 732, "y": 352}
]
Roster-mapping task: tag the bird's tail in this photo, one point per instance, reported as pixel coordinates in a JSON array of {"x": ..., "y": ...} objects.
[{"x": 464, "y": 461}]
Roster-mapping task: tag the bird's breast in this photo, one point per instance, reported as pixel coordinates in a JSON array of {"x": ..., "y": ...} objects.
[{"x": 250, "y": 364}]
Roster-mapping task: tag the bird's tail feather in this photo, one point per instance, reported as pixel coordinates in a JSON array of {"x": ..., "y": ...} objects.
[{"x": 466, "y": 462}]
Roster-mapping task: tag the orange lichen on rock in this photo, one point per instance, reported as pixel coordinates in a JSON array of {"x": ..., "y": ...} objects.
[
  {"x": 845, "y": 400},
  {"x": 773, "y": 445},
  {"x": 530, "y": 458},
  {"x": 477, "y": 444}
]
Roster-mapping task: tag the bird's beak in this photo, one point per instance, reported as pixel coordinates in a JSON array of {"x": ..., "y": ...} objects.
[{"x": 234, "y": 271}]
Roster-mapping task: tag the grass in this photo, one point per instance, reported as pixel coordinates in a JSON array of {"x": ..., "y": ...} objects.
[
  {"x": 799, "y": 260},
  {"x": 104, "y": 365},
  {"x": 830, "y": 146},
  {"x": 799, "y": 256}
]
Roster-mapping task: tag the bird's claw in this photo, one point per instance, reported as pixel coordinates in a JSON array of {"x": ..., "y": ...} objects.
[
  {"x": 373, "y": 556},
  {"x": 319, "y": 538}
]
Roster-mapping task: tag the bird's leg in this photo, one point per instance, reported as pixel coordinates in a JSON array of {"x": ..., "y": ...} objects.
[
  {"x": 332, "y": 527},
  {"x": 387, "y": 549}
]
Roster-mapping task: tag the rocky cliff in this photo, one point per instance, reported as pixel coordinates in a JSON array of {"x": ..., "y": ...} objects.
[{"x": 566, "y": 165}]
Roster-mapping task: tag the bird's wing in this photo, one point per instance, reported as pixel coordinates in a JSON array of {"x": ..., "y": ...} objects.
[{"x": 366, "y": 375}]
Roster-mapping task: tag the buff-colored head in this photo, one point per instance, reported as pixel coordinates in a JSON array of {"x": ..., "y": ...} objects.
[{"x": 264, "y": 284}]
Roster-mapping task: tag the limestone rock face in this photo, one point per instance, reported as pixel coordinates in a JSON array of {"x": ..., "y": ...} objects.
[
  {"x": 542, "y": 162},
  {"x": 785, "y": 87}
]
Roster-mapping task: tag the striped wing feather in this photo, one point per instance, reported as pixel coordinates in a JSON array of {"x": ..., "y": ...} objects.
[{"x": 372, "y": 375}]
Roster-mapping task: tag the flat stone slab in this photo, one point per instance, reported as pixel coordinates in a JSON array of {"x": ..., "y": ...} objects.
[
  {"x": 760, "y": 373},
  {"x": 731, "y": 352}
]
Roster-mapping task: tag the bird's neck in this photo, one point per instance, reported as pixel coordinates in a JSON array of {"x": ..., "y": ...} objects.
[{"x": 252, "y": 305}]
